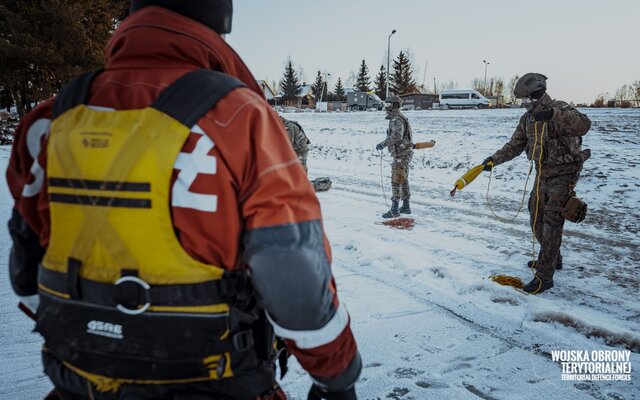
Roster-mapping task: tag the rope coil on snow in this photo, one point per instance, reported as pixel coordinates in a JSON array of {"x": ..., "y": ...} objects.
[{"x": 506, "y": 280}]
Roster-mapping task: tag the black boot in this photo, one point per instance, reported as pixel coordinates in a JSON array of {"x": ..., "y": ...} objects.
[
  {"x": 405, "y": 209},
  {"x": 532, "y": 264},
  {"x": 537, "y": 285},
  {"x": 393, "y": 212}
]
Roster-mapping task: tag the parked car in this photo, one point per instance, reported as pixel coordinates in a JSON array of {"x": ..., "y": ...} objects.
[
  {"x": 466, "y": 98},
  {"x": 360, "y": 101}
]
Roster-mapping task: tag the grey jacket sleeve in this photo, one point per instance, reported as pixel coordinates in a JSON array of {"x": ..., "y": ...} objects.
[
  {"x": 25, "y": 256},
  {"x": 291, "y": 272},
  {"x": 513, "y": 147}
]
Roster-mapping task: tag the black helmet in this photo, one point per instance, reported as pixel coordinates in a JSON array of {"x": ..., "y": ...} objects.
[
  {"x": 215, "y": 14},
  {"x": 531, "y": 85},
  {"x": 392, "y": 103}
]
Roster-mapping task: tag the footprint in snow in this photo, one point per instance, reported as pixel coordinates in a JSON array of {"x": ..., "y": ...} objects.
[
  {"x": 437, "y": 273},
  {"x": 398, "y": 393},
  {"x": 506, "y": 300},
  {"x": 431, "y": 384},
  {"x": 456, "y": 367},
  {"x": 405, "y": 373}
]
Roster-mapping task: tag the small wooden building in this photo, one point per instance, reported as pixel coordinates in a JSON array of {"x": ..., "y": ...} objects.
[{"x": 269, "y": 93}]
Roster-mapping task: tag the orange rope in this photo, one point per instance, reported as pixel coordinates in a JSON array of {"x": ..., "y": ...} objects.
[
  {"x": 400, "y": 223},
  {"x": 506, "y": 280}
]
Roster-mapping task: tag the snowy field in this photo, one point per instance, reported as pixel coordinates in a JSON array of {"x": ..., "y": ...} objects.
[{"x": 429, "y": 322}]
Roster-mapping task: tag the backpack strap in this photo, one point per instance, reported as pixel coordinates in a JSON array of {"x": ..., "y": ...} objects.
[
  {"x": 192, "y": 95},
  {"x": 74, "y": 93}
]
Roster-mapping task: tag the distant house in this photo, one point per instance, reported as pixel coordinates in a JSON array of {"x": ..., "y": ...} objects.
[
  {"x": 269, "y": 93},
  {"x": 306, "y": 98},
  {"x": 418, "y": 101}
]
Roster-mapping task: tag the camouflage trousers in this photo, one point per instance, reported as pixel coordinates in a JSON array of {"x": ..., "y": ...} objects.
[
  {"x": 400, "y": 178},
  {"x": 303, "y": 161},
  {"x": 546, "y": 221}
]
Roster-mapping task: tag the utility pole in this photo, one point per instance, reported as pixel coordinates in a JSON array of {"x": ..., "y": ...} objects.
[
  {"x": 424, "y": 77},
  {"x": 484, "y": 86},
  {"x": 324, "y": 85},
  {"x": 388, "y": 55}
]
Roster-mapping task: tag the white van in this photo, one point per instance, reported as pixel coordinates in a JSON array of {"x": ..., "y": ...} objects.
[{"x": 463, "y": 99}]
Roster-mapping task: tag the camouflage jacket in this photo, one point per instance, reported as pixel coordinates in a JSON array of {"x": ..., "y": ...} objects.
[
  {"x": 297, "y": 137},
  {"x": 561, "y": 144},
  {"x": 399, "y": 137}
]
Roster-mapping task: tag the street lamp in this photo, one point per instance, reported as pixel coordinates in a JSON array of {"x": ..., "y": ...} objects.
[
  {"x": 484, "y": 86},
  {"x": 388, "y": 55}
]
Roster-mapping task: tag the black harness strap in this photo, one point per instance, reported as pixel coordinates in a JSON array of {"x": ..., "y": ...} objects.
[
  {"x": 192, "y": 95},
  {"x": 225, "y": 290},
  {"x": 74, "y": 93}
]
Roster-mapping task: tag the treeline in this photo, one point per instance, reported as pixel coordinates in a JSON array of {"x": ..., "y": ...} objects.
[
  {"x": 43, "y": 44},
  {"x": 401, "y": 81},
  {"x": 626, "y": 96}
]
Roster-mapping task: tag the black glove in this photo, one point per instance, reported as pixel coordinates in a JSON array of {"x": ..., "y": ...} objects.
[
  {"x": 543, "y": 116},
  {"x": 379, "y": 146},
  {"x": 318, "y": 394},
  {"x": 487, "y": 166}
]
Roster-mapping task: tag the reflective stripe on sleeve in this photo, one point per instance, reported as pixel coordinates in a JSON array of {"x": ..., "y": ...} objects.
[{"x": 315, "y": 338}]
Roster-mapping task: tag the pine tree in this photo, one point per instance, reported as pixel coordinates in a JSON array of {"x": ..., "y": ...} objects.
[
  {"x": 318, "y": 86},
  {"x": 381, "y": 83},
  {"x": 290, "y": 84},
  {"x": 402, "y": 81},
  {"x": 363, "y": 80},
  {"x": 45, "y": 44},
  {"x": 339, "y": 91}
]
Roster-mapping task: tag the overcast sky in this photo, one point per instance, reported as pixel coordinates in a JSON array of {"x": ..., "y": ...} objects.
[{"x": 584, "y": 47}]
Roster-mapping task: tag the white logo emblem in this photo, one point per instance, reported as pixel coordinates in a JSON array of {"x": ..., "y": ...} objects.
[
  {"x": 190, "y": 165},
  {"x": 35, "y": 133},
  {"x": 107, "y": 329}
]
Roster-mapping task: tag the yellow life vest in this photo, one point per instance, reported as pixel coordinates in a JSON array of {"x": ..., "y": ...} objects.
[{"x": 121, "y": 300}]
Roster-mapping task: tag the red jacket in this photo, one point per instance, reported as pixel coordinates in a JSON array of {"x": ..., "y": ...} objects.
[{"x": 267, "y": 216}]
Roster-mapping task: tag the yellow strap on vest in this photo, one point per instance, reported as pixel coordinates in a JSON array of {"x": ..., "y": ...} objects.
[{"x": 107, "y": 384}]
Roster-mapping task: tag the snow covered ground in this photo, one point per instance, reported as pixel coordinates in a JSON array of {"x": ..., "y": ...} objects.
[{"x": 429, "y": 322}]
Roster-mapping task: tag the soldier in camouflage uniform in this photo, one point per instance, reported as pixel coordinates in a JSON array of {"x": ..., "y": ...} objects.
[
  {"x": 299, "y": 140},
  {"x": 400, "y": 144},
  {"x": 550, "y": 133}
]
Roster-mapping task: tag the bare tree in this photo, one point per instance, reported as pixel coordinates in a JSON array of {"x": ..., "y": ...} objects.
[
  {"x": 600, "y": 101},
  {"x": 498, "y": 87},
  {"x": 448, "y": 85},
  {"x": 623, "y": 96},
  {"x": 635, "y": 87},
  {"x": 512, "y": 87},
  {"x": 478, "y": 85}
]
